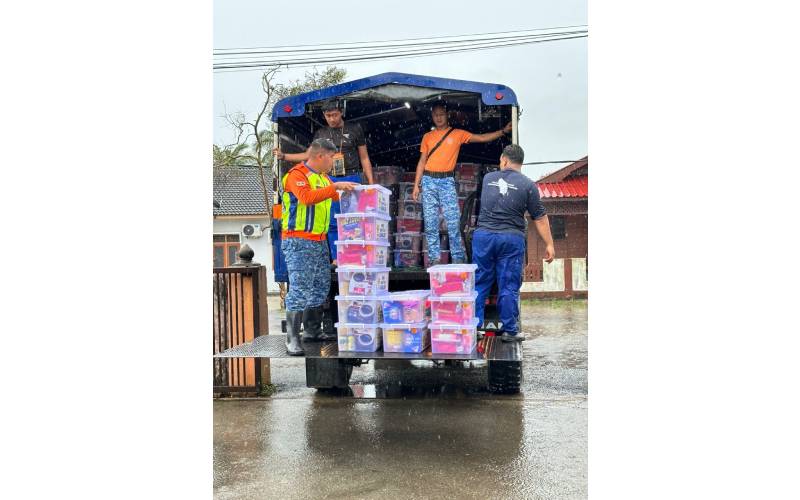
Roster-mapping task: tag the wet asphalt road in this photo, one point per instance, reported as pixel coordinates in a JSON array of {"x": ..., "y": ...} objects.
[{"x": 415, "y": 430}]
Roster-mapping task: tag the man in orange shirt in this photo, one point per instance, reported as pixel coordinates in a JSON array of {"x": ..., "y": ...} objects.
[
  {"x": 305, "y": 220},
  {"x": 436, "y": 176}
]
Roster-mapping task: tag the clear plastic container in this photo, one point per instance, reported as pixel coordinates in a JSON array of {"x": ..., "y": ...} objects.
[
  {"x": 358, "y": 337},
  {"x": 444, "y": 258},
  {"x": 405, "y": 225},
  {"x": 362, "y": 280},
  {"x": 410, "y": 209},
  {"x": 453, "y": 310},
  {"x": 408, "y": 241},
  {"x": 453, "y": 339},
  {"x": 363, "y": 226},
  {"x": 359, "y": 309},
  {"x": 452, "y": 279},
  {"x": 370, "y": 198},
  {"x": 405, "y": 337},
  {"x": 405, "y": 307},
  {"x": 407, "y": 258},
  {"x": 406, "y": 191},
  {"x": 362, "y": 253}
]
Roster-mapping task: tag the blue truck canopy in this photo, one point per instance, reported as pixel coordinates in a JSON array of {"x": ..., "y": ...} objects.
[{"x": 393, "y": 109}]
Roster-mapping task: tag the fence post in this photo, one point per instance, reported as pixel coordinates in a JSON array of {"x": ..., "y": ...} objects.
[{"x": 258, "y": 291}]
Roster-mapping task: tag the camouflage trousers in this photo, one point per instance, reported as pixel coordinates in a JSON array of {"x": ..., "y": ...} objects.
[
  {"x": 441, "y": 193},
  {"x": 309, "y": 266}
]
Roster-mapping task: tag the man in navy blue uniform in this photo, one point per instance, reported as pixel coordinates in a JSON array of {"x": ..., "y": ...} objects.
[{"x": 498, "y": 244}]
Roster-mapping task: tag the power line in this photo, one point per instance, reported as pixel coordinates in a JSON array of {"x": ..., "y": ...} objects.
[
  {"x": 299, "y": 58},
  {"x": 402, "y": 39},
  {"x": 310, "y": 62},
  {"x": 256, "y": 54},
  {"x": 371, "y": 48}
]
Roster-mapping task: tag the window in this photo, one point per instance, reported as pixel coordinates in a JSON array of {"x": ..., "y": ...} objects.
[
  {"x": 558, "y": 227},
  {"x": 226, "y": 248}
]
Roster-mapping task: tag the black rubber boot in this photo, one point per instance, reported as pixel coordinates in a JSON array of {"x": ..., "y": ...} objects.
[
  {"x": 505, "y": 337},
  {"x": 312, "y": 324},
  {"x": 294, "y": 321}
]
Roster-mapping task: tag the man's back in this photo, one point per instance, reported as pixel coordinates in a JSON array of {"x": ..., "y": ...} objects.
[{"x": 506, "y": 195}]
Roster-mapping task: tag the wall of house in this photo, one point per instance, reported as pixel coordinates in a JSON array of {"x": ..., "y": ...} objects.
[
  {"x": 261, "y": 246},
  {"x": 567, "y": 275}
]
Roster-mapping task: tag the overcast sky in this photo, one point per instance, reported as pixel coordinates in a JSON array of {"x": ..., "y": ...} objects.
[{"x": 550, "y": 79}]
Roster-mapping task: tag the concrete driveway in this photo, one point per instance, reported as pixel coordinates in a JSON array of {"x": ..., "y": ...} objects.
[{"x": 415, "y": 430}]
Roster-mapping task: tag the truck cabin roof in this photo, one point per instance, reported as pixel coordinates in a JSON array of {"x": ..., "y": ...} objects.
[{"x": 394, "y": 110}]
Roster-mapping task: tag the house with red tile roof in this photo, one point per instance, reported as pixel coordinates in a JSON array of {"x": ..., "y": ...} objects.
[{"x": 565, "y": 195}]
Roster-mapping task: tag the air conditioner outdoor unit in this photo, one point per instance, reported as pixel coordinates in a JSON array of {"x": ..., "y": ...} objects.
[{"x": 251, "y": 230}]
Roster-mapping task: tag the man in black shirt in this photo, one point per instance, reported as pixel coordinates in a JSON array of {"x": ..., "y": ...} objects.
[
  {"x": 349, "y": 160},
  {"x": 498, "y": 244}
]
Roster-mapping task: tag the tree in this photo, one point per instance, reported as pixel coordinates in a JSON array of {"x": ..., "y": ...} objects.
[{"x": 254, "y": 139}]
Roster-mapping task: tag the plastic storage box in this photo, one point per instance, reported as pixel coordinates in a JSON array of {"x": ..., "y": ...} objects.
[
  {"x": 408, "y": 241},
  {"x": 362, "y": 253},
  {"x": 410, "y": 210},
  {"x": 405, "y": 225},
  {"x": 359, "y": 309},
  {"x": 362, "y": 280},
  {"x": 406, "y": 258},
  {"x": 453, "y": 339},
  {"x": 452, "y": 279},
  {"x": 370, "y": 198},
  {"x": 406, "y": 191},
  {"x": 362, "y": 226},
  {"x": 358, "y": 337},
  {"x": 405, "y": 307},
  {"x": 454, "y": 310},
  {"x": 405, "y": 337}
]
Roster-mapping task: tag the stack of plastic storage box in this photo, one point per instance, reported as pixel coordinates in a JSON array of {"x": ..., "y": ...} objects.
[
  {"x": 362, "y": 257},
  {"x": 453, "y": 326},
  {"x": 405, "y": 321}
]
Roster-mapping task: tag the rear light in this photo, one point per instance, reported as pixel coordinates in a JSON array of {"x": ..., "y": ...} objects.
[
  {"x": 499, "y": 96},
  {"x": 287, "y": 108}
]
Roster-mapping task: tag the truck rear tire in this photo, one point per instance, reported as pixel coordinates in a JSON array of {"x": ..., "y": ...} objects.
[
  {"x": 505, "y": 377},
  {"x": 324, "y": 373}
]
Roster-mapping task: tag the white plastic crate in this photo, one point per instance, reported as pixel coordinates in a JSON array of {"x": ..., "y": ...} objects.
[
  {"x": 405, "y": 337},
  {"x": 452, "y": 279}
]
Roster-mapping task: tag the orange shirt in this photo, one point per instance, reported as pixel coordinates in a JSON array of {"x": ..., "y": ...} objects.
[{"x": 444, "y": 158}]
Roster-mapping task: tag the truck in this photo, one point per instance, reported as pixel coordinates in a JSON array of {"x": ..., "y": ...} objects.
[{"x": 394, "y": 111}]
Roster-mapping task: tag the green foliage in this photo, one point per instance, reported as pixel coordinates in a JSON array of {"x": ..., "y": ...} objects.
[
  {"x": 257, "y": 149},
  {"x": 313, "y": 80}
]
